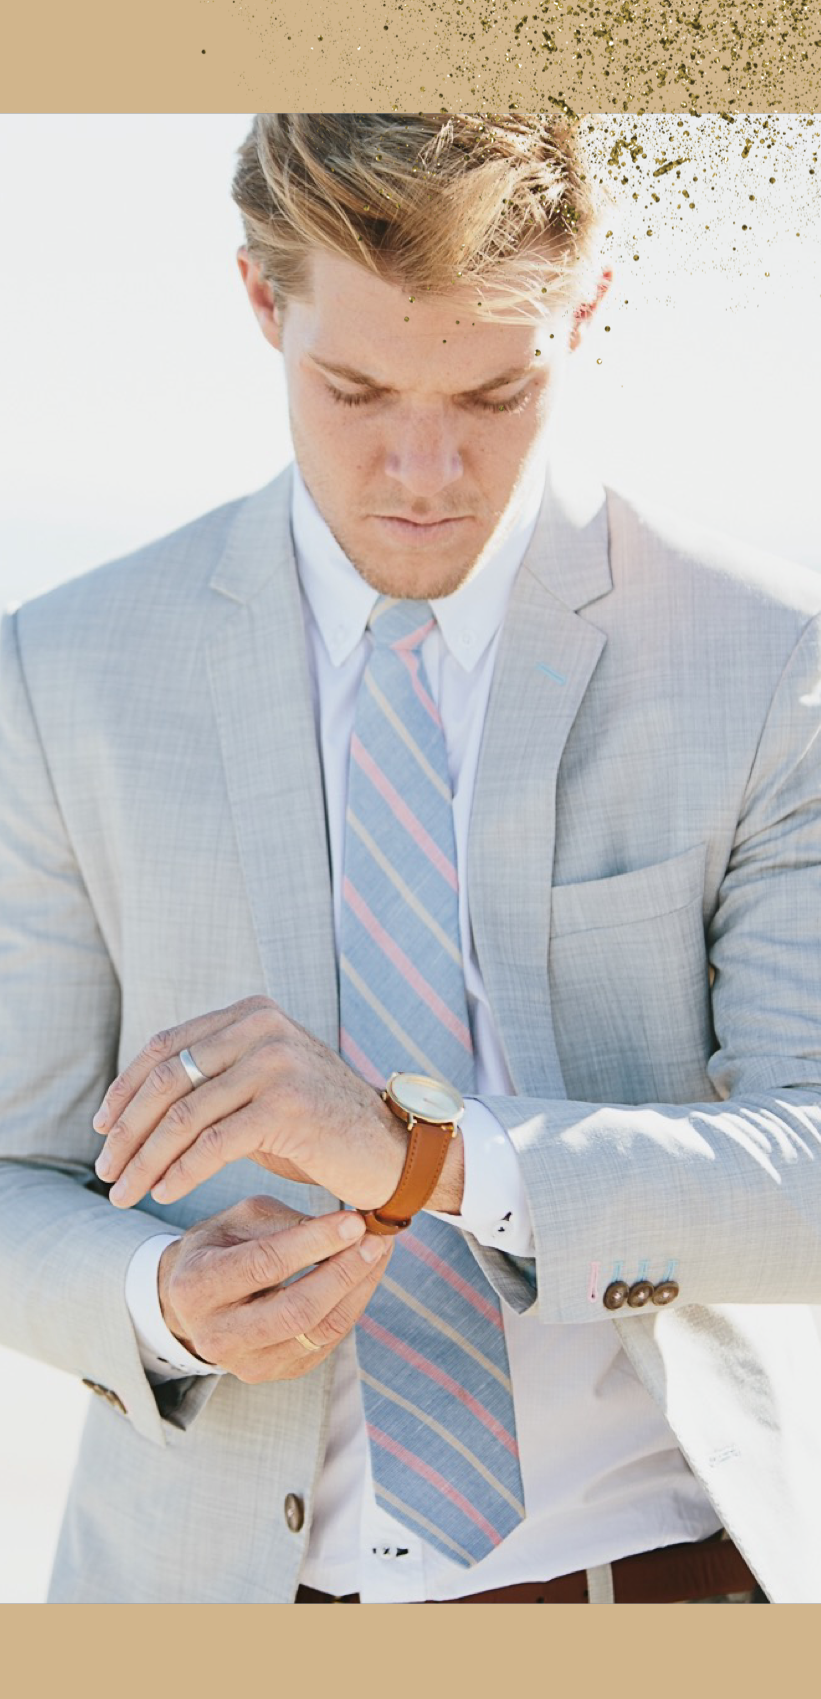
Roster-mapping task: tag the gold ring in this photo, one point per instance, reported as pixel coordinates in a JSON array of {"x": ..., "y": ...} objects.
[{"x": 308, "y": 1343}]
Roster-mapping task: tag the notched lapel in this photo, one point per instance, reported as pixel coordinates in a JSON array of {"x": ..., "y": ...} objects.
[
  {"x": 547, "y": 656},
  {"x": 260, "y": 684}
]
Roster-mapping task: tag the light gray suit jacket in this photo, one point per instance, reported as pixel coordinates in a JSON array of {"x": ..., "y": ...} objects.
[{"x": 647, "y": 819}]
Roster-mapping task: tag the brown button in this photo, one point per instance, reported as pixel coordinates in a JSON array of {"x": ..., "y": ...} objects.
[
  {"x": 294, "y": 1512},
  {"x": 106, "y": 1393},
  {"x": 665, "y": 1292},
  {"x": 616, "y": 1295},
  {"x": 640, "y": 1294}
]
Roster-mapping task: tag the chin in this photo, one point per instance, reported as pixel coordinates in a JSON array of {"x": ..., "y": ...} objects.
[
  {"x": 413, "y": 585},
  {"x": 393, "y": 572}
]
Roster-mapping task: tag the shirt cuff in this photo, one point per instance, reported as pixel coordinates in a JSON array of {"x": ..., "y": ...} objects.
[
  {"x": 162, "y": 1356},
  {"x": 494, "y": 1203}
]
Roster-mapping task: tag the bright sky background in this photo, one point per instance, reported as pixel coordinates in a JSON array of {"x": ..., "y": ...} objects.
[{"x": 137, "y": 391}]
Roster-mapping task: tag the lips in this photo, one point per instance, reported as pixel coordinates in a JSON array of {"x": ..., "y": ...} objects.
[{"x": 419, "y": 533}]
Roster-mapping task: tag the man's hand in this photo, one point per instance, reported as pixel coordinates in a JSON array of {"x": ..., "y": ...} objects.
[
  {"x": 273, "y": 1093},
  {"x": 222, "y": 1291}
]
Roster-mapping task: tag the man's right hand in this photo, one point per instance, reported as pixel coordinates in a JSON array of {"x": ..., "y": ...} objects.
[{"x": 223, "y": 1294}]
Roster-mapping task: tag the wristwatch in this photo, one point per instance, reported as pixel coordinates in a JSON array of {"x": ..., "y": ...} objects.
[{"x": 431, "y": 1111}]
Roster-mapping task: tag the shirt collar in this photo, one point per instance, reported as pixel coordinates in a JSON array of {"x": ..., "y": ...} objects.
[{"x": 341, "y": 601}]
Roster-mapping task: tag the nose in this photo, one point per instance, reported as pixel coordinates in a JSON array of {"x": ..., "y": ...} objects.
[{"x": 423, "y": 455}]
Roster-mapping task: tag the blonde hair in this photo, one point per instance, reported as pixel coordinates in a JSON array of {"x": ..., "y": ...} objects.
[{"x": 462, "y": 203}]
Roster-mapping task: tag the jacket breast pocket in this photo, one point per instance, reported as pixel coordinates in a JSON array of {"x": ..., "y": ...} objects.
[{"x": 629, "y": 985}]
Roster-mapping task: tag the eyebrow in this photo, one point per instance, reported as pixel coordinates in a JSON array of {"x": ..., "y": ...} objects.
[{"x": 354, "y": 376}]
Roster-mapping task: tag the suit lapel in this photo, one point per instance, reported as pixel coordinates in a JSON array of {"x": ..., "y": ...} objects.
[
  {"x": 547, "y": 655},
  {"x": 261, "y": 689}
]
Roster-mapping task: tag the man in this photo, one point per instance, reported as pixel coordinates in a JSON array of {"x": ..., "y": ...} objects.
[{"x": 428, "y": 760}]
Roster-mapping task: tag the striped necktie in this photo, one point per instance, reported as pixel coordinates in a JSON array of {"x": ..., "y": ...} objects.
[{"x": 431, "y": 1345}]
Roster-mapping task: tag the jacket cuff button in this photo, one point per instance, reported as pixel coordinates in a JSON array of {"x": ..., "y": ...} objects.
[
  {"x": 665, "y": 1292},
  {"x": 616, "y": 1295},
  {"x": 640, "y": 1294},
  {"x": 294, "y": 1512}
]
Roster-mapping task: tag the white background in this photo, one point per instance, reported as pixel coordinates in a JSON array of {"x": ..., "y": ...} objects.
[{"x": 138, "y": 392}]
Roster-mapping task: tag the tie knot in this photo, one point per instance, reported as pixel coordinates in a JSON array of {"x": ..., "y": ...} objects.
[{"x": 400, "y": 625}]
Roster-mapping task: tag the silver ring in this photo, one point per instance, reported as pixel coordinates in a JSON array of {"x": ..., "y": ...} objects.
[
  {"x": 308, "y": 1343},
  {"x": 195, "y": 1074}
]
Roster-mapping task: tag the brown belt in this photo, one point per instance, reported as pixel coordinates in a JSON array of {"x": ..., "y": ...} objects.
[{"x": 670, "y": 1575}]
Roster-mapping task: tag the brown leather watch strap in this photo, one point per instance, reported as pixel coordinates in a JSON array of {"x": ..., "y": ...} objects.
[{"x": 427, "y": 1149}]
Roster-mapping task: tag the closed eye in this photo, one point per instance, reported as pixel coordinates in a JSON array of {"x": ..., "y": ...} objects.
[{"x": 514, "y": 404}]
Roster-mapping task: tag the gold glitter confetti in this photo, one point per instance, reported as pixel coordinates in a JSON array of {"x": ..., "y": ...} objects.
[{"x": 736, "y": 159}]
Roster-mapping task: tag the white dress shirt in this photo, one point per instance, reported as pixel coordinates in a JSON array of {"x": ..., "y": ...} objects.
[{"x": 602, "y": 1474}]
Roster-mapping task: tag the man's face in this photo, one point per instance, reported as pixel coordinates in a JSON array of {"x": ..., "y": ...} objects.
[{"x": 418, "y": 453}]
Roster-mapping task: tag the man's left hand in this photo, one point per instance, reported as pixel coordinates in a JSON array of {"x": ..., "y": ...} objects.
[{"x": 274, "y": 1093}]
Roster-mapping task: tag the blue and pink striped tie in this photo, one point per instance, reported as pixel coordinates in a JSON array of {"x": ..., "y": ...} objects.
[{"x": 431, "y": 1345}]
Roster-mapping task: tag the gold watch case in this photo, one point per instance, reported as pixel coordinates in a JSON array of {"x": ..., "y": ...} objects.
[{"x": 419, "y": 1097}]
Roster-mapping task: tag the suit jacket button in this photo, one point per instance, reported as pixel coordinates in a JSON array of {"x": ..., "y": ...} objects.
[
  {"x": 294, "y": 1512},
  {"x": 616, "y": 1295},
  {"x": 665, "y": 1292},
  {"x": 640, "y": 1294}
]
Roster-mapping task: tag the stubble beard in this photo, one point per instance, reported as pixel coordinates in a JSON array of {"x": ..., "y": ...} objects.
[
  {"x": 407, "y": 579},
  {"x": 413, "y": 583}
]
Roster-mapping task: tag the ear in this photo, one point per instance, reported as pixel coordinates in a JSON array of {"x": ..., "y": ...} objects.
[
  {"x": 585, "y": 312},
  {"x": 261, "y": 297}
]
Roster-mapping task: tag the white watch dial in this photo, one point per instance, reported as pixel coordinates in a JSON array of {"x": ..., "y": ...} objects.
[{"x": 428, "y": 1099}]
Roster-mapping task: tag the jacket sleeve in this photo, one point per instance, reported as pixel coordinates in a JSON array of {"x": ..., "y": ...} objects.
[
  {"x": 724, "y": 1196},
  {"x": 64, "y": 1251}
]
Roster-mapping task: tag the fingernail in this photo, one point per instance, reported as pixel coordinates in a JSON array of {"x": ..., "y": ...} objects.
[
  {"x": 99, "y": 1120},
  {"x": 103, "y": 1165},
  {"x": 372, "y": 1246},
  {"x": 118, "y": 1192},
  {"x": 351, "y": 1226}
]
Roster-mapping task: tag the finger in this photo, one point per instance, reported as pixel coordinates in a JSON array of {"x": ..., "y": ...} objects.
[
  {"x": 162, "y": 1046},
  {"x": 167, "y": 1114},
  {"x": 225, "y": 1139},
  {"x": 138, "y": 1152},
  {"x": 344, "y": 1315},
  {"x": 303, "y": 1305},
  {"x": 254, "y": 1217},
  {"x": 239, "y": 1272},
  {"x": 159, "y": 1051},
  {"x": 289, "y": 1360}
]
